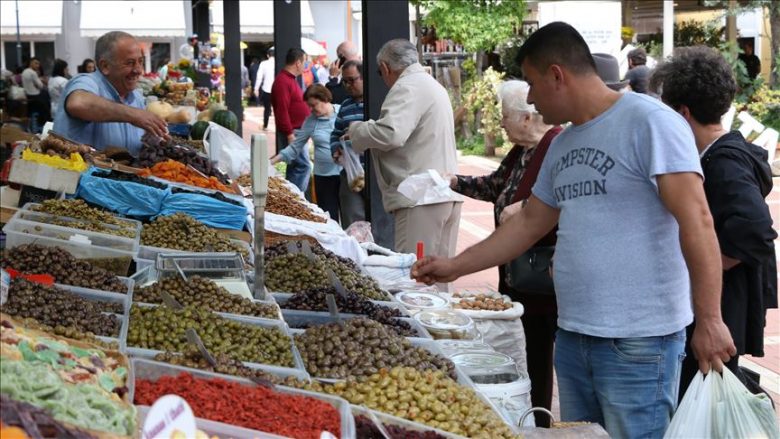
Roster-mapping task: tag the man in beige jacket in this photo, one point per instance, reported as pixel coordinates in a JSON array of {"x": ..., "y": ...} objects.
[{"x": 414, "y": 133}]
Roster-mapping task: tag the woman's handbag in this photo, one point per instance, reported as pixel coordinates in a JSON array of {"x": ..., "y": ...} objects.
[{"x": 530, "y": 272}]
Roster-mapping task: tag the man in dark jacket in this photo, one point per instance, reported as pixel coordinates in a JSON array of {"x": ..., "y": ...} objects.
[
  {"x": 699, "y": 84},
  {"x": 346, "y": 51}
]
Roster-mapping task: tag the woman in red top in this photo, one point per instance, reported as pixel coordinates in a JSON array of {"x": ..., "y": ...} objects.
[{"x": 508, "y": 188}]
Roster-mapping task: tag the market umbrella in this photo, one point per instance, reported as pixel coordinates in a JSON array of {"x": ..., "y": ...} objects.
[{"x": 312, "y": 48}]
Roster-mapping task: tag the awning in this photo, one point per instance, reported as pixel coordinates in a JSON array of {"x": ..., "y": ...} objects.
[
  {"x": 32, "y": 19},
  {"x": 257, "y": 17},
  {"x": 138, "y": 18}
]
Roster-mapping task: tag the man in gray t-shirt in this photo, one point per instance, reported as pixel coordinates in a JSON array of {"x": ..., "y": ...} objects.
[{"x": 635, "y": 247}]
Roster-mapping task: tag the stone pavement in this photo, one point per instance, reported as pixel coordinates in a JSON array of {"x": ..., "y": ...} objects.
[{"x": 477, "y": 223}]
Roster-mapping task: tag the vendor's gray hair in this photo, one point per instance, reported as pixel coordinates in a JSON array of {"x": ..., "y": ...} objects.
[
  {"x": 514, "y": 97},
  {"x": 105, "y": 45},
  {"x": 398, "y": 54}
]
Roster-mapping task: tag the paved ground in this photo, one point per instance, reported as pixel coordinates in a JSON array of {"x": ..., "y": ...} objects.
[{"x": 477, "y": 223}]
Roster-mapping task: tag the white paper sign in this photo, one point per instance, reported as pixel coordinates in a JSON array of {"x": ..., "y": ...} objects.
[
  {"x": 597, "y": 21},
  {"x": 168, "y": 415}
]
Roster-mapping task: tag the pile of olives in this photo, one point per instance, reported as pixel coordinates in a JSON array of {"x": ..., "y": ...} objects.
[
  {"x": 55, "y": 307},
  {"x": 294, "y": 272},
  {"x": 68, "y": 332},
  {"x": 315, "y": 300},
  {"x": 124, "y": 176},
  {"x": 183, "y": 232},
  {"x": 359, "y": 347},
  {"x": 427, "y": 397},
  {"x": 367, "y": 429},
  {"x": 164, "y": 329},
  {"x": 66, "y": 269},
  {"x": 79, "y": 209},
  {"x": 225, "y": 365},
  {"x": 202, "y": 293}
]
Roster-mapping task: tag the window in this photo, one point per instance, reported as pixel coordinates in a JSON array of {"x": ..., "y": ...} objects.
[
  {"x": 44, "y": 51},
  {"x": 10, "y": 54},
  {"x": 160, "y": 54}
]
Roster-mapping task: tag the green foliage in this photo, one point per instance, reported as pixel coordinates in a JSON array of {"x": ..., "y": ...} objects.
[
  {"x": 746, "y": 87},
  {"x": 482, "y": 95},
  {"x": 696, "y": 33},
  {"x": 765, "y": 106},
  {"x": 508, "y": 52},
  {"x": 477, "y": 24},
  {"x": 472, "y": 146}
]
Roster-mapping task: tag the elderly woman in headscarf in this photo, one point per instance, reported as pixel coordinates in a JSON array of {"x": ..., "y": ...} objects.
[{"x": 508, "y": 188}]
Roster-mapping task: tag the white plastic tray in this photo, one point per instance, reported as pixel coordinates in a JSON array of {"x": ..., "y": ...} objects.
[
  {"x": 296, "y": 318},
  {"x": 144, "y": 369}
]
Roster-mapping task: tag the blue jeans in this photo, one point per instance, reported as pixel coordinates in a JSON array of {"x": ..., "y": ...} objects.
[
  {"x": 299, "y": 170},
  {"x": 628, "y": 385}
]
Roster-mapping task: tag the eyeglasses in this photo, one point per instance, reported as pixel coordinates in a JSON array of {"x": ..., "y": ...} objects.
[{"x": 350, "y": 80}]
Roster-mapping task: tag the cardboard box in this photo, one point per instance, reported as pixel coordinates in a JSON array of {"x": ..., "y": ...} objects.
[{"x": 43, "y": 177}]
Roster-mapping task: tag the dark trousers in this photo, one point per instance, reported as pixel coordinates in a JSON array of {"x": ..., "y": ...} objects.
[
  {"x": 266, "y": 99},
  {"x": 327, "y": 189},
  {"x": 539, "y": 340}
]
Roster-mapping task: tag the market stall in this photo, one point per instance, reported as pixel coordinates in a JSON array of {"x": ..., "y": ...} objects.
[{"x": 136, "y": 280}]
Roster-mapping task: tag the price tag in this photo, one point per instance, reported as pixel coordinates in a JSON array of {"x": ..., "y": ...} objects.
[
  {"x": 194, "y": 339},
  {"x": 168, "y": 415},
  {"x": 333, "y": 309},
  {"x": 306, "y": 250},
  {"x": 336, "y": 283},
  {"x": 170, "y": 302},
  {"x": 5, "y": 285}
]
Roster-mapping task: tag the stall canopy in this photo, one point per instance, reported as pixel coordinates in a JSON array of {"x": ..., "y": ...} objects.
[
  {"x": 32, "y": 19},
  {"x": 139, "y": 18},
  {"x": 257, "y": 17}
]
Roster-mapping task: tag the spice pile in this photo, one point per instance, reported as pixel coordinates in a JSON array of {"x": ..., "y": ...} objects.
[
  {"x": 66, "y": 269},
  {"x": 257, "y": 408},
  {"x": 176, "y": 171}
]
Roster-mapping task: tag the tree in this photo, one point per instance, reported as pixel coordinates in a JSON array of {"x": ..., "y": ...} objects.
[
  {"x": 774, "y": 19},
  {"x": 479, "y": 25}
]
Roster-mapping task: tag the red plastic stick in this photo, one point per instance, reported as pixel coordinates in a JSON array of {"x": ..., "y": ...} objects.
[{"x": 420, "y": 249}]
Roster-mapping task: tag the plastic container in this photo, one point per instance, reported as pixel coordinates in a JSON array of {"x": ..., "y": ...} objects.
[
  {"x": 282, "y": 298},
  {"x": 107, "y": 251},
  {"x": 29, "y": 212},
  {"x": 253, "y": 321},
  {"x": 150, "y": 253},
  {"x": 448, "y": 324},
  {"x": 226, "y": 269},
  {"x": 387, "y": 419},
  {"x": 213, "y": 428},
  {"x": 416, "y": 301},
  {"x": 301, "y": 319},
  {"x": 454, "y": 347},
  {"x": 152, "y": 370}
]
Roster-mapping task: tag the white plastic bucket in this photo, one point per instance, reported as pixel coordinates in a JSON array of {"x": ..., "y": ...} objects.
[{"x": 512, "y": 399}]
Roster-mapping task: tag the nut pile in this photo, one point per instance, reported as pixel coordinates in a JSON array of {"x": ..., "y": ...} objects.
[
  {"x": 197, "y": 145},
  {"x": 183, "y": 232},
  {"x": 294, "y": 272},
  {"x": 151, "y": 155},
  {"x": 55, "y": 146},
  {"x": 164, "y": 329},
  {"x": 55, "y": 307},
  {"x": 361, "y": 347},
  {"x": 428, "y": 397},
  {"x": 366, "y": 429},
  {"x": 66, "y": 269},
  {"x": 124, "y": 176},
  {"x": 282, "y": 201},
  {"x": 315, "y": 300},
  {"x": 203, "y": 293},
  {"x": 482, "y": 302},
  {"x": 246, "y": 180}
]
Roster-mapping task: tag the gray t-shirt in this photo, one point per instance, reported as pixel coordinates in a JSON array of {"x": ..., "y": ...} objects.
[{"x": 619, "y": 269}]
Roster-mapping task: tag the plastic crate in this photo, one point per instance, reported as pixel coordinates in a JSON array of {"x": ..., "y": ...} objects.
[
  {"x": 128, "y": 282},
  {"x": 30, "y": 213},
  {"x": 106, "y": 251},
  {"x": 152, "y": 370},
  {"x": 282, "y": 298},
  {"x": 150, "y": 253},
  {"x": 295, "y": 319},
  {"x": 387, "y": 419},
  {"x": 253, "y": 321},
  {"x": 214, "y": 428}
]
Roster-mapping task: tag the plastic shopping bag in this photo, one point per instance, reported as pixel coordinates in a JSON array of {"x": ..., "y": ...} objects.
[
  {"x": 427, "y": 188},
  {"x": 352, "y": 167},
  {"x": 228, "y": 149},
  {"x": 719, "y": 406}
]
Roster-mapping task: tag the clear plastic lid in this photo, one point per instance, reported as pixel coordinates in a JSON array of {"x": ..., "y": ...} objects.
[
  {"x": 419, "y": 300},
  {"x": 444, "y": 319},
  {"x": 487, "y": 367}
]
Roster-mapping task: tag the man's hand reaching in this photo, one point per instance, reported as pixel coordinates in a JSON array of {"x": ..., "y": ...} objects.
[
  {"x": 151, "y": 123},
  {"x": 434, "y": 269}
]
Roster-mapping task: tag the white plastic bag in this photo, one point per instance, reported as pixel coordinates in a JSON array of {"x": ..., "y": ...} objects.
[
  {"x": 427, "y": 188},
  {"x": 352, "y": 167},
  {"x": 719, "y": 406},
  {"x": 228, "y": 149}
]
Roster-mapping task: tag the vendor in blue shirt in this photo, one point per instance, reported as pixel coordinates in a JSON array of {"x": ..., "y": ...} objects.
[{"x": 103, "y": 108}]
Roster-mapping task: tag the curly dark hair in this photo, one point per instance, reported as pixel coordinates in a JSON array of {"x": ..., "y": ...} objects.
[{"x": 699, "y": 78}]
